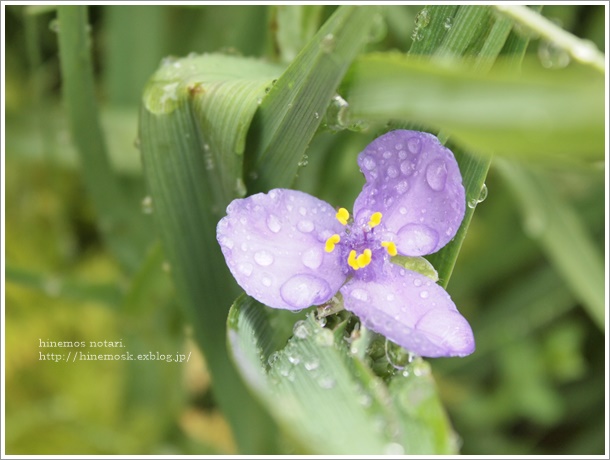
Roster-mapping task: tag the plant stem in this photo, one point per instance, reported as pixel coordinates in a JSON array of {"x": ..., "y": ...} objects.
[{"x": 583, "y": 51}]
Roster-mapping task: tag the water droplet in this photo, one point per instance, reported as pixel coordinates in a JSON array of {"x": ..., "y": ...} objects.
[
  {"x": 378, "y": 29},
  {"x": 403, "y": 210},
  {"x": 414, "y": 145},
  {"x": 305, "y": 226},
  {"x": 360, "y": 294},
  {"x": 328, "y": 42},
  {"x": 392, "y": 172},
  {"x": 436, "y": 175},
  {"x": 273, "y": 223},
  {"x": 316, "y": 115},
  {"x": 304, "y": 161},
  {"x": 397, "y": 356},
  {"x": 422, "y": 19},
  {"x": 401, "y": 188},
  {"x": 417, "y": 35},
  {"x": 294, "y": 359},
  {"x": 417, "y": 282},
  {"x": 390, "y": 297},
  {"x": 336, "y": 114},
  {"x": 424, "y": 294},
  {"x": 312, "y": 258},
  {"x": 245, "y": 268},
  {"x": 273, "y": 358},
  {"x": 368, "y": 163},
  {"x": 266, "y": 280},
  {"x": 448, "y": 24},
  {"x": 552, "y": 56},
  {"x": 147, "y": 205},
  {"x": 240, "y": 187},
  {"x": 302, "y": 291},
  {"x": 326, "y": 382},
  {"x": 325, "y": 338},
  {"x": 416, "y": 239},
  {"x": 312, "y": 364},
  {"x": 301, "y": 330},
  {"x": 259, "y": 101},
  {"x": 54, "y": 25},
  {"x": 208, "y": 161},
  {"x": 405, "y": 168},
  {"x": 302, "y": 211},
  {"x": 263, "y": 258},
  {"x": 472, "y": 203}
]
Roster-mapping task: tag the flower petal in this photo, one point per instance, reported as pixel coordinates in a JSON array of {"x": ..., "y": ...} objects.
[
  {"x": 274, "y": 246},
  {"x": 412, "y": 311},
  {"x": 415, "y": 182}
]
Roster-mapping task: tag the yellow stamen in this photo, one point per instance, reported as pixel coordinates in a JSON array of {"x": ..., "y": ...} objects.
[
  {"x": 390, "y": 247},
  {"x": 351, "y": 260},
  {"x": 375, "y": 220},
  {"x": 342, "y": 216},
  {"x": 364, "y": 259},
  {"x": 331, "y": 242}
]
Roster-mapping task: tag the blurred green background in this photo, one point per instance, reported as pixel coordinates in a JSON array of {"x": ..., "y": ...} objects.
[{"x": 535, "y": 385}]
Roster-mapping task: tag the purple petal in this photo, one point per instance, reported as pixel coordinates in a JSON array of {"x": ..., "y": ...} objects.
[
  {"x": 415, "y": 182},
  {"x": 412, "y": 311},
  {"x": 274, "y": 246}
]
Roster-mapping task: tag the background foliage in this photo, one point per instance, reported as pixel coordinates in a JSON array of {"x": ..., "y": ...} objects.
[{"x": 99, "y": 248}]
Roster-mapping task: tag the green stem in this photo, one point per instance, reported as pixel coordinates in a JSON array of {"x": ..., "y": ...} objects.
[{"x": 580, "y": 50}]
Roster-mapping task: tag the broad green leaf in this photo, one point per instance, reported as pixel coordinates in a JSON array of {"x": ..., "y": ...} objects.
[
  {"x": 195, "y": 113},
  {"x": 290, "y": 115},
  {"x": 326, "y": 397},
  {"x": 539, "y": 115},
  {"x": 563, "y": 237}
]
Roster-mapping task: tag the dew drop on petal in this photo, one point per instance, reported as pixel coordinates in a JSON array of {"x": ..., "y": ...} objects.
[
  {"x": 368, "y": 163},
  {"x": 266, "y": 280},
  {"x": 302, "y": 211},
  {"x": 312, "y": 258},
  {"x": 387, "y": 154},
  {"x": 302, "y": 291},
  {"x": 360, "y": 294},
  {"x": 424, "y": 294},
  {"x": 416, "y": 239},
  {"x": 263, "y": 258},
  {"x": 305, "y": 226},
  {"x": 414, "y": 145},
  {"x": 273, "y": 223},
  {"x": 401, "y": 188},
  {"x": 392, "y": 172},
  {"x": 417, "y": 282},
  {"x": 405, "y": 168},
  {"x": 403, "y": 210},
  {"x": 436, "y": 175},
  {"x": 245, "y": 268}
]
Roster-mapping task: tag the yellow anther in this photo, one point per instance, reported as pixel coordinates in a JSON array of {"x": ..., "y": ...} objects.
[
  {"x": 331, "y": 242},
  {"x": 375, "y": 220},
  {"x": 351, "y": 260},
  {"x": 364, "y": 259},
  {"x": 390, "y": 247},
  {"x": 342, "y": 216},
  {"x": 361, "y": 261}
]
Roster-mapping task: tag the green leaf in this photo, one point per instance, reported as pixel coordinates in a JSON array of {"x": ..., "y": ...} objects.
[
  {"x": 120, "y": 225},
  {"x": 194, "y": 117},
  {"x": 326, "y": 397},
  {"x": 537, "y": 115},
  {"x": 290, "y": 115},
  {"x": 563, "y": 237},
  {"x": 296, "y": 25},
  {"x": 224, "y": 93}
]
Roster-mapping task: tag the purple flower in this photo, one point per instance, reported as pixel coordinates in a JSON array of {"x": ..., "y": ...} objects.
[{"x": 290, "y": 250}]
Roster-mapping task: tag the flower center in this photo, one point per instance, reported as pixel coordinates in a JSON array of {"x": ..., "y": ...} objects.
[{"x": 357, "y": 240}]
